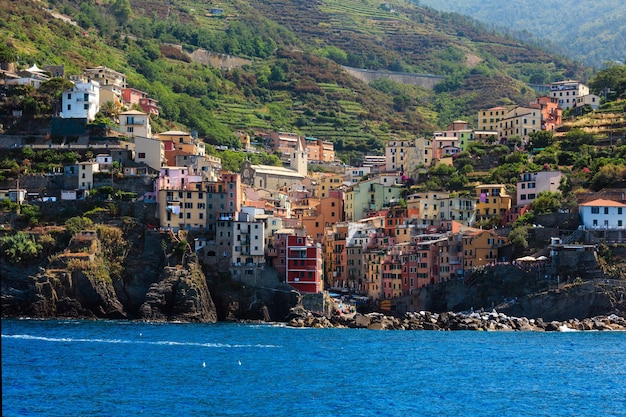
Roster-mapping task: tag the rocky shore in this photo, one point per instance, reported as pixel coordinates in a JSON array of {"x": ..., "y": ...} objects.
[{"x": 424, "y": 320}]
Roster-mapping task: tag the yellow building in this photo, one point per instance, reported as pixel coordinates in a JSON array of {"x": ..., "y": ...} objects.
[
  {"x": 480, "y": 247},
  {"x": 326, "y": 183},
  {"x": 183, "y": 209},
  {"x": 492, "y": 200},
  {"x": 488, "y": 119}
]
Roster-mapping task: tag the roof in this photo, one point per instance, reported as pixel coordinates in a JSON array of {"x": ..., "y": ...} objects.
[
  {"x": 602, "y": 203},
  {"x": 270, "y": 169},
  {"x": 34, "y": 69},
  {"x": 134, "y": 112},
  {"x": 174, "y": 133}
]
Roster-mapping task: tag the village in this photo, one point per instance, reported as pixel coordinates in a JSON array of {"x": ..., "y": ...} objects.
[{"x": 320, "y": 224}]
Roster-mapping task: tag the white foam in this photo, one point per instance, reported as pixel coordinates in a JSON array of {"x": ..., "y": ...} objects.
[{"x": 138, "y": 342}]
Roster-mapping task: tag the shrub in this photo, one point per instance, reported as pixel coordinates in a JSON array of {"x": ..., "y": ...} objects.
[{"x": 20, "y": 247}]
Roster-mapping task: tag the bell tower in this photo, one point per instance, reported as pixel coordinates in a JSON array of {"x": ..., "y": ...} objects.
[{"x": 299, "y": 160}]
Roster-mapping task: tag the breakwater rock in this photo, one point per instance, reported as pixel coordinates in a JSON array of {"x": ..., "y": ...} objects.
[{"x": 424, "y": 320}]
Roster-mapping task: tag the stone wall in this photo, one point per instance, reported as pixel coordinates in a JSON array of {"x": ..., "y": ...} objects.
[
  {"x": 422, "y": 80},
  {"x": 214, "y": 59}
]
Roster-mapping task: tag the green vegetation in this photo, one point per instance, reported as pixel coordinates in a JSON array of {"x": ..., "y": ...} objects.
[
  {"x": 293, "y": 81},
  {"x": 76, "y": 224},
  {"x": 597, "y": 37},
  {"x": 20, "y": 247}
]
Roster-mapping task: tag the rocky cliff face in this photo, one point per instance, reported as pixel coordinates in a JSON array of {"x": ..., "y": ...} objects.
[
  {"x": 57, "y": 293},
  {"x": 149, "y": 290},
  {"x": 180, "y": 294}
]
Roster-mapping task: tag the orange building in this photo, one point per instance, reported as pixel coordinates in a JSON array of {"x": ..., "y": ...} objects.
[{"x": 480, "y": 247}]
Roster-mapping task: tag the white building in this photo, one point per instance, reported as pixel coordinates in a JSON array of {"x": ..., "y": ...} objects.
[
  {"x": 135, "y": 123},
  {"x": 589, "y": 100},
  {"x": 85, "y": 174},
  {"x": 407, "y": 155},
  {"x": 150, "y": 152},
  {"x": 603, "y": 215},
  {"x": 248, "y": 245},
  {"x": 567, "y": 92},
  {"x": 82, "y": 101},
  {"x": 532, "y": 183}
]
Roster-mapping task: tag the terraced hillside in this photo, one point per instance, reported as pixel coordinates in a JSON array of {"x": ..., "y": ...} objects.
[{"x": 294, "y": 80}]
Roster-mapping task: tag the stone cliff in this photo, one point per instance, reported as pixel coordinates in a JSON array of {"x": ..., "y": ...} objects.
[{"x": 147, "y": 290}]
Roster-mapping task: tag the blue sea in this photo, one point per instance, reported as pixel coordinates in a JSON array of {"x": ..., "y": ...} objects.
[{"x": 119, "y": 368}]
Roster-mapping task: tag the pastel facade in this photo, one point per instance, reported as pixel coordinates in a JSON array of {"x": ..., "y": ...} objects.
[
  {"x": 488, "y": 120},
  {"x": 135, "y": 123},
  {"x": 532, "y": 183},
  {"x": 603, "y": 214},
  {"x": 85, "y": 174},
  {"x": 480, "y": 247},
  {"x": 492, "y": 200},
  {"x": 370, "y": 196},
  {"x": 320, "y": 150},
  {"x": 82, "y": 101},
  {"x": 520, "y": 121},
  {"x": 304, "y": 263},
  {"x": 407, "y": 155},
  {"x": 150, "y": 151},
  {"x": 567, "y": 92}
]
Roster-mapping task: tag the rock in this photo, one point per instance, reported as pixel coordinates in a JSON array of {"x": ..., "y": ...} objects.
[
  {"x": 361, "y": 321},
  {"x": 181, "y": 294},
  {"x": 376, "y": 326},
  {"x": 553, "y": 326}
]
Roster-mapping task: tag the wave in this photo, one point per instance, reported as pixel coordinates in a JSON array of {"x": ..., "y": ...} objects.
[{"x": 137, "y": 342}]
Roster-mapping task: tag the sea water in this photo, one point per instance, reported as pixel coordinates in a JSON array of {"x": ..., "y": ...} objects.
[{"x": 119, "y": 368}]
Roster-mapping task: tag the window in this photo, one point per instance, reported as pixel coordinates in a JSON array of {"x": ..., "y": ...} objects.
[
  {"x": 69, "y": 107},
  {"x": 142, "y": 155},
  {"x": 69, "y": 96},
  {"x": 619, "y": 210},
  {"x": 606, "y": 210},
  {"x": 86, "y": 106},
  {"x": 595, "y": 210},
  {"x": 595, "y": 222}
]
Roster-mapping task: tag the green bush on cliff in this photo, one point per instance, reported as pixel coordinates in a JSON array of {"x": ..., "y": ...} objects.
[
  {"x": 19, "y": 248},
  {"x": 76, "y": 224}
]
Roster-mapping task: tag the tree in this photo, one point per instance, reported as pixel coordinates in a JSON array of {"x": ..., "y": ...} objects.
[
  {"x": 76, "y": 224},
  {"x": 547, "y": 202},
  {"x": 541, "y": 139},
  {"x": 19, "y": 247},
  {"x": 111, "y": 109},
  {"x": 609, "y": 82},
  {"x": 518, "y": 238},
  {"x": 574, "y": 139},
  {"x": 121, "y": 10}
]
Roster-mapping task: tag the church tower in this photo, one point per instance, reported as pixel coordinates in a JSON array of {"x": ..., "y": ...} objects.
[{"x": 299, "y": 160}]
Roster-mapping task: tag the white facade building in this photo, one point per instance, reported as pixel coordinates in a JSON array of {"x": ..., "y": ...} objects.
[
  {"x": 603, "y": 215},
  {"x": 135, "y": 123},
  {"x": 82, "y": 101},
  {"x": 532, "y": 183},
  {"x": 567, "y": 92}
]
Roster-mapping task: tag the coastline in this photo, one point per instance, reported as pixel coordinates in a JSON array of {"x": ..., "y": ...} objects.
[{"x": 450, "y": 321}]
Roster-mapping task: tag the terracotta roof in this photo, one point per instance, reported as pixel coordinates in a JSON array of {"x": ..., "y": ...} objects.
[{"x": 603, "y": 203}]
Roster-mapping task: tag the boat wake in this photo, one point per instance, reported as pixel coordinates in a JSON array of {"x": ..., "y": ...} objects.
[{"x": 137, "y": 342}]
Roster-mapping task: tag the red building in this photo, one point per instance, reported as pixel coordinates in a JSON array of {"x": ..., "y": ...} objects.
[
  {"x": 551, "y": 113},
  {"x": 303, "y": 264},
  {"x": 149, "y": 105}
]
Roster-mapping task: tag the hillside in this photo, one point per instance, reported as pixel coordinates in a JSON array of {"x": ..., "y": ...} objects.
[
  {"x": 593, "y": 33},
  {"x": 294, "y": 81}
]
